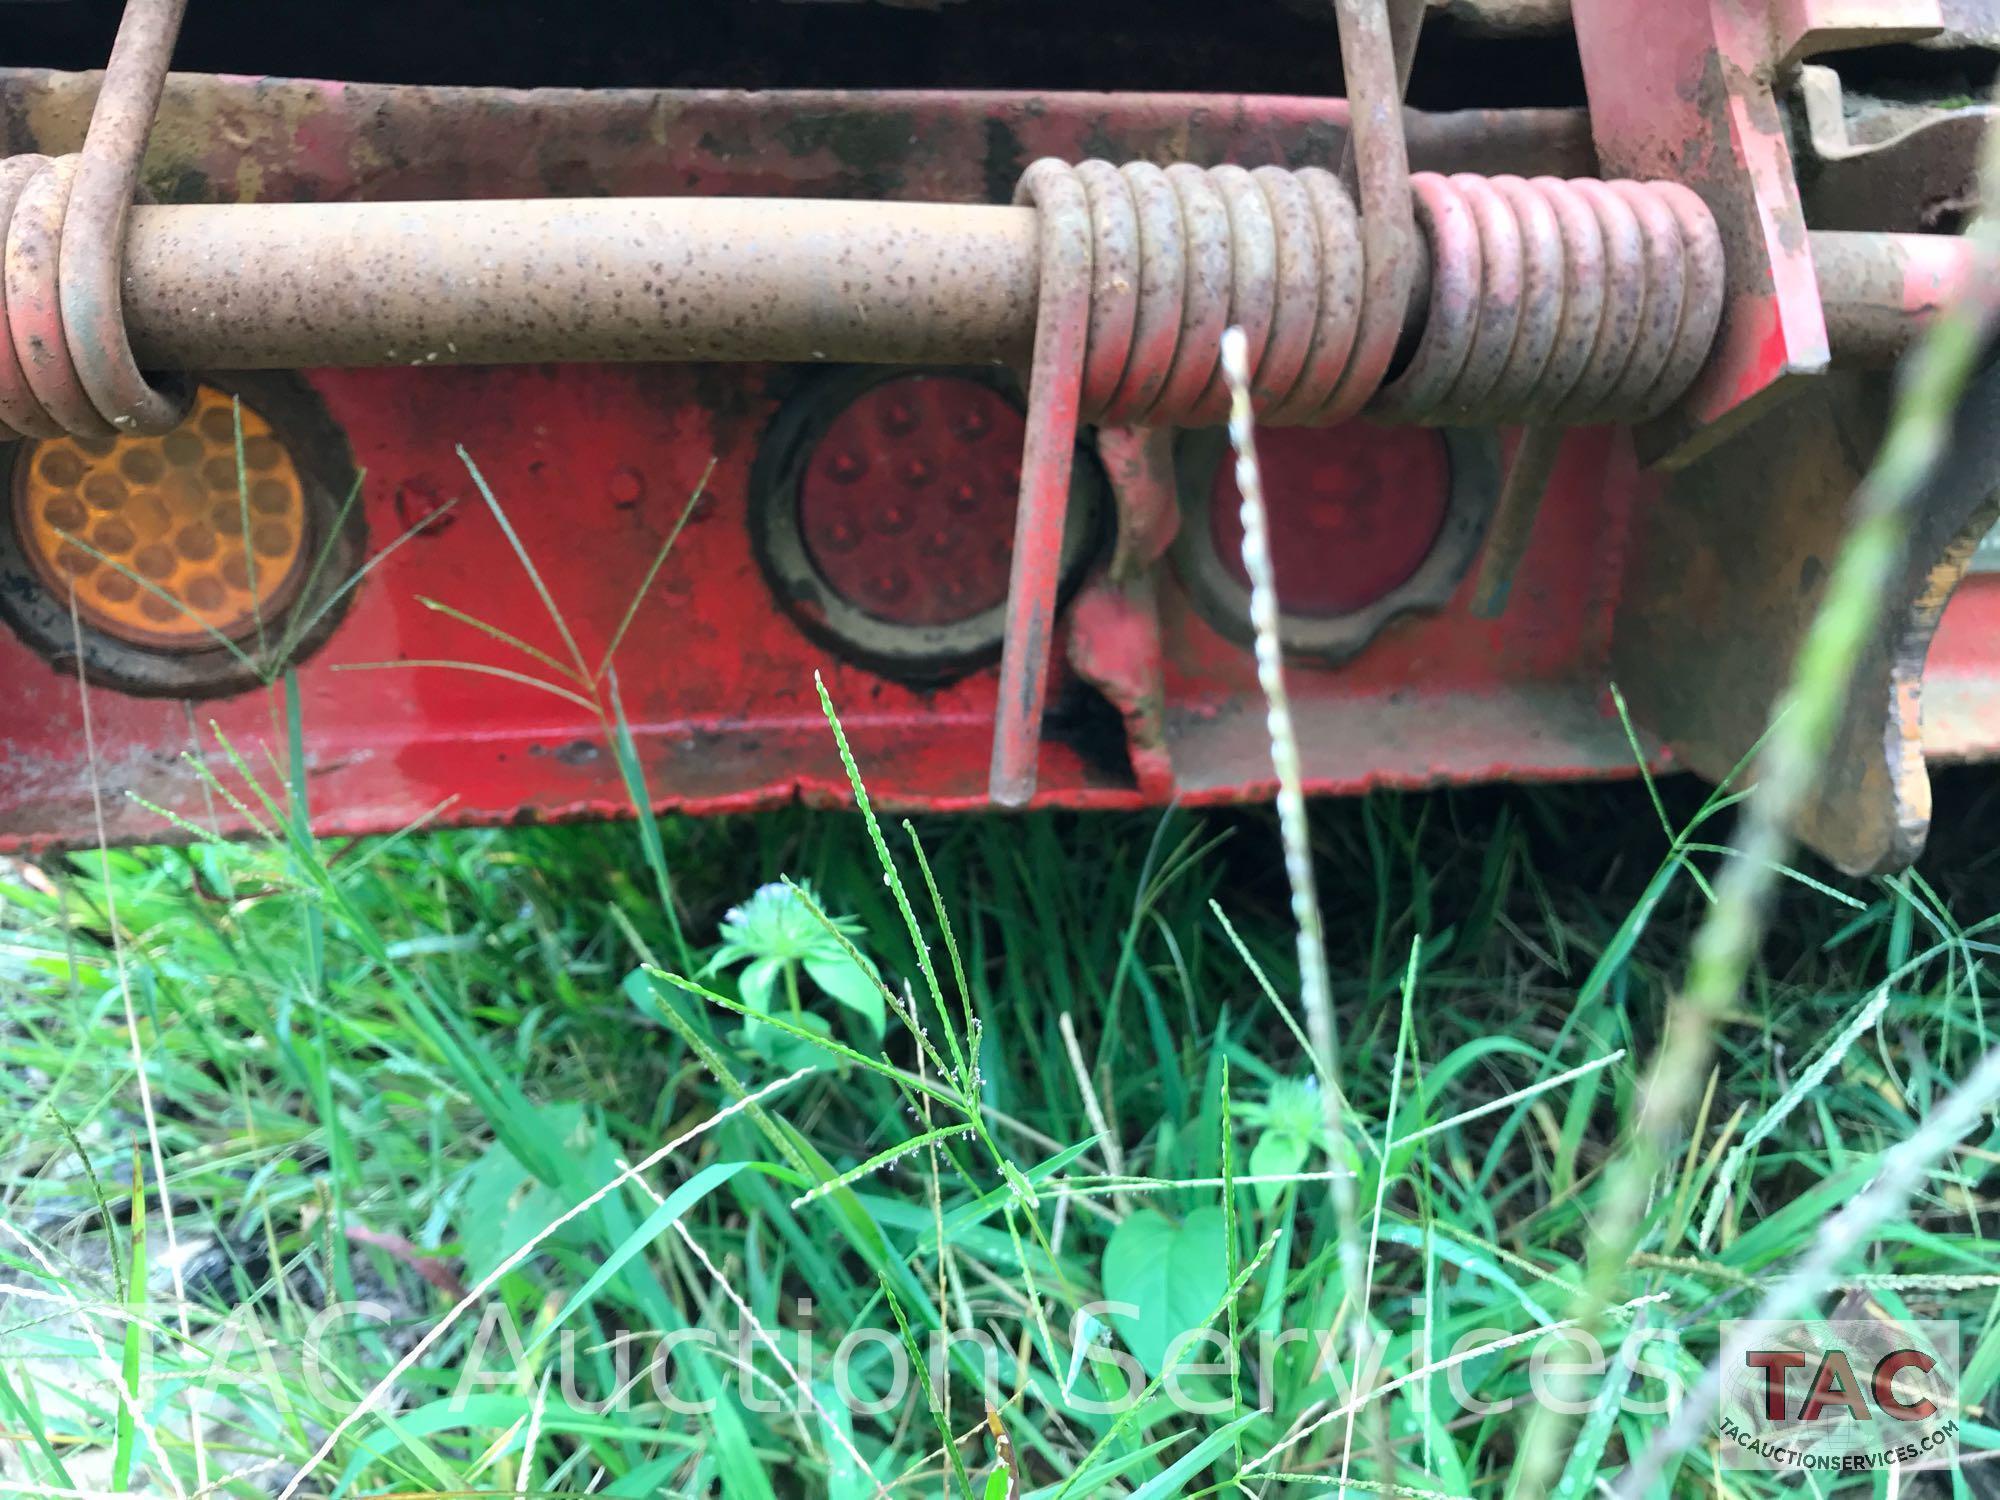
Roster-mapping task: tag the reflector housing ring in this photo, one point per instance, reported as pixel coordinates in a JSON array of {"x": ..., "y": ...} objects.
[{"x": 856, "y": 574}]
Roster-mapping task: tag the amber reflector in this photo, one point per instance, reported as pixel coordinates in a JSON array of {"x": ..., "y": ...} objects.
[{"x": 161, "y": 547}]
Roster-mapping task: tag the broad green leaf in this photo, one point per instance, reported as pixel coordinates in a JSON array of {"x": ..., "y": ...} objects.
[
  {"x": 504, "y": 1206},
  {"x": 845, "y": 1479},
  {"x": 785, "y": 1051},
  {"x": 743, "y": 1473},
  {"x": 1091, "y": 1480},
  {"x": 1172, "y": 1274},
  {"x": 842, "y": 978},
  {"x": 1278, "y": 1153}
]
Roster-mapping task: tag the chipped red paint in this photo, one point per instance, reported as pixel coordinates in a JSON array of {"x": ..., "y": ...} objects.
[
  {"x": 227, "y": 140},
  {"x": 1685, "y": 90},
  {"x": 595, "y": 463}
]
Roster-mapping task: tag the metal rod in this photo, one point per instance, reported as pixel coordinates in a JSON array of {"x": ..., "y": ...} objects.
[
  {"x": 1880, "y": 290},
  {"x": 1054, "y": 401},
  {"x": 94, "y": 223},
  {"x": 285, "y": 286},
  {"x": 1381, "y": 162},
  {"x": 296, "y": 285}
]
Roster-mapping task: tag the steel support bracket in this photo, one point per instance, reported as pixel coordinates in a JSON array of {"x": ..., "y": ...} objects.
[
  {"x": 1727, "y": 566},
  {"x": 1803, "y": 28},
  {"x": 1726, "y": 570},
  {"x": 1684, "y": 90},
  {"x": 1896, "y": 167}
]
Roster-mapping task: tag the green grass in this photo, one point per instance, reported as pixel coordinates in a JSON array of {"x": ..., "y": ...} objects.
[{"x": 371, "y": 1060}]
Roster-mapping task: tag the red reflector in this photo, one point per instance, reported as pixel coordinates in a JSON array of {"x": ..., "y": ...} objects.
[
  {"x": 1353, "y": 511},
  {"x": 907, "y": 500}
]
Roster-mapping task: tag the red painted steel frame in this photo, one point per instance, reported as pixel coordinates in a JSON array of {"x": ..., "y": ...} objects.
[
  {"x": 593, "y": 465},
  {"x": 718, "y": 682}
]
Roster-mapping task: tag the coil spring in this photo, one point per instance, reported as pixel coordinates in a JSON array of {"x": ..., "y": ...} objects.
[
  {"x": 1549, "y": 300},
  {"x": 65, "y": 363}
]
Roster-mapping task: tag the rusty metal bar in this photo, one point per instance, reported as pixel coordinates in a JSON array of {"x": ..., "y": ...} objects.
[
  {"x": 285, "y": 286},
  {"x": 1055, "y": 394},
  {"x": 1880, "y": 290},
  {"x": 1381, "y": 163},
  {"x": 278, "y": 286}
]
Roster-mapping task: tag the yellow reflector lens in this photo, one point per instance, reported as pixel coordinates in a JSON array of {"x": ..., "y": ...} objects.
[{"x": 153, "y": 534}]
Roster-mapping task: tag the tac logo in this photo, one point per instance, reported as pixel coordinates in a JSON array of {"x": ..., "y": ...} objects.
[{"x": 1840, "y": 1395}]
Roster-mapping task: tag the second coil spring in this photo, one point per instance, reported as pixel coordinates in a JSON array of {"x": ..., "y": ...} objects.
[{"x": 1548, "y": 300}]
